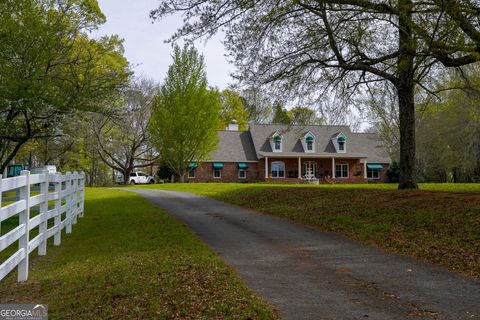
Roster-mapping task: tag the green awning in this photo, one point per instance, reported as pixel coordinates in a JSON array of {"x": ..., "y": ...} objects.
[
  {"x": 341, "y": 139},
  {"x": 217, "y": 165},
  {"x": 374, "y": 166},
  {"x": 192, "y": 165},
  {"x": 242, "y": 165}
]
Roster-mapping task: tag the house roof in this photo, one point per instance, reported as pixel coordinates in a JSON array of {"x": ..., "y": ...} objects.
[
  {"x": 240, "y": 146},
  {"x": 234, "y": 146}
]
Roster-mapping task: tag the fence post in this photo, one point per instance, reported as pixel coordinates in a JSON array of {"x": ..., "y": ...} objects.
[
  {"x": 82, "y": 194},
  {"x": 68, "y": 202},
  {"x": 42, "y": 248},
  {"x": 75, "y": 197},
  {"x": 24, "y": 218},
  {"x": 1, "y": 193},
  {"x": 57, "y": 221}
]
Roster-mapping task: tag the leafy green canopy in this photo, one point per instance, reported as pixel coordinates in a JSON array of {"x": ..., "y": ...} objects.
[
  {"x": 233, "y": 108},
  {"x": 50, "y": 68},
  {"x": 185, "y": 113},
  {"x": 303, "y": 49}
]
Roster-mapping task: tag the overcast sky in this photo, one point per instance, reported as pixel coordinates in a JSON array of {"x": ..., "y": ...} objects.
[{"x": 144, "y": 40}]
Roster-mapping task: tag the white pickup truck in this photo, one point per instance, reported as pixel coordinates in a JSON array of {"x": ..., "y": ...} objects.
[{"x": 138, "y": 178}]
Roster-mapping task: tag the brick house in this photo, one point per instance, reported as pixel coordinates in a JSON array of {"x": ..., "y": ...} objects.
[{"x": 283, "y": 153}]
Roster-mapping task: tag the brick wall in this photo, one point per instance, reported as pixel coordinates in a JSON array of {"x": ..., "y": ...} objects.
[
  {"x": 256, "y": 171},
  {"x": 383, "y": 175},
  {"x": 204, "y": 173}
]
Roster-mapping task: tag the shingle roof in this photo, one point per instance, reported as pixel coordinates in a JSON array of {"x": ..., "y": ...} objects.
[
  {"x": 234, "y": 146},
  {"x": 238, "y": 146}
]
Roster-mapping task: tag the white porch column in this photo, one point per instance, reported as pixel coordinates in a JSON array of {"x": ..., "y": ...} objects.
[
  {"x": 333, "y": 167},
  {"x": 299, "y": 168},
  {"x": 266, "y": 167},
  {"x": 364, "y": 168}
]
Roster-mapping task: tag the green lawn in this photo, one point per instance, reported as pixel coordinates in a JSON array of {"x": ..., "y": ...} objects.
[
  {"x": 127, "y": 259},
  {"x": 439, "y": 224}
]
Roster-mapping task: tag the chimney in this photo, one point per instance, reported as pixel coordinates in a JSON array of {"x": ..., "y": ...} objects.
[{"x": 233, "y": 126}]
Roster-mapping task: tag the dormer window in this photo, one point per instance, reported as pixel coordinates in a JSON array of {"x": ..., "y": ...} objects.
[
  {"x": 340, "y": 142},
  {"x": 276, "y": 142},
  {"x": 308, "y": 142}
]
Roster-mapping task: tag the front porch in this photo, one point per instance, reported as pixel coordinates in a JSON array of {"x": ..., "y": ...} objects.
[{"x": 325, "y": 170}]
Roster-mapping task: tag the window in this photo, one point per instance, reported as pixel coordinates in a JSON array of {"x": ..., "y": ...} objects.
[
  {"x": 242, "y": 173},
  {"x": 277, "y": 143},
  {"x": 278, "y": 169},
  {"x": 133, "y": 174},
  {"x": 310, "y": 145},
  {"x": 373, "y": 173},
  {"x": 217, "y": 173},
  {"x": 341, "y": 142},
  {"x": 374, "y": 170},
  {"x": 192, "y": 172},
  {"x": 341, "y": 170},
  {"x": 140, "y": 174}
]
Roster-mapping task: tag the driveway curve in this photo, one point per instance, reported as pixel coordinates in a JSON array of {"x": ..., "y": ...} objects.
[{"x": 308, "y": 274}]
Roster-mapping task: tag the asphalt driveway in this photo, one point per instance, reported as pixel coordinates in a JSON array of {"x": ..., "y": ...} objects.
[{"x": 307, "y": 274}]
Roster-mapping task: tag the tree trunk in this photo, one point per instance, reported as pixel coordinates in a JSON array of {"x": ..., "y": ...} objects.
[
  {"x": 406, "y": 97},
  {"x": 182, "y": 178},
  {"x": 126, "y": 177}
]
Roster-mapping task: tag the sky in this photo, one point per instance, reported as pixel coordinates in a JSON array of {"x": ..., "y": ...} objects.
[{"x": 145, "y": 46}]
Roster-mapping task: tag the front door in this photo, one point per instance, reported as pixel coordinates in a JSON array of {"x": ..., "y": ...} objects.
[{"x": 309, "y": 169}]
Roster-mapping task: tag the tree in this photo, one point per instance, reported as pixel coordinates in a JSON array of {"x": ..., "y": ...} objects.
[
  {"x": 305, "y": 47},
  {"x": 280, "y": 115},
  {"x": 186, "y": 112},
  {"x": 304, "y": 116},
  {"x": 455, "y": 157},
  {"x": 257, "y": 105},
  {"x": 232, "y": 109},
  {"x": 50, "y": 68},
  {"x": 123, "y": 136}
]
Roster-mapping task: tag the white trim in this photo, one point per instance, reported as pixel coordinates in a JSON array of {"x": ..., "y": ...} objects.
[
  {"x": 333, "y": 168},
  {"x": 373, "y": 170},
  {"x": 272, "y": 142},
  {"x": 244, "y": 170},
  {"x": 343, "y": 164},
  {"x": 365, "y": 169},
  {"x": 266, "y": 167},
  {"x": 278, "y": 177},
  {"x": 305, "y": 144},
  {"x": 219, "y": 170},
  {"x": 337, "y": 145},
  {"x": 194, "y": 173}
]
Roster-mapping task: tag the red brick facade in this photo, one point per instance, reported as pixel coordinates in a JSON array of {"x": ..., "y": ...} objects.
[
  {"x": 229, "y": 173},
  {"x": 256, "y": 171}
]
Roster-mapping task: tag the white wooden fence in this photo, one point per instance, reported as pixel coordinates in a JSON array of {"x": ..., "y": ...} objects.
[{"x": 68, "y": 196}]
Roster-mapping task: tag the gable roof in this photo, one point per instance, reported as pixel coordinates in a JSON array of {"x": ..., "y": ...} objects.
[
  {"x": 244, "y": 146},
  {"x": 360, "y": 145},
  {"x": 234, "y": 146}
]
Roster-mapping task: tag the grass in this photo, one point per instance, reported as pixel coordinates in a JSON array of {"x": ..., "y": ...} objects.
[
  {"x": 128, "y": 259},
  {"x": 439, "y": 224}
]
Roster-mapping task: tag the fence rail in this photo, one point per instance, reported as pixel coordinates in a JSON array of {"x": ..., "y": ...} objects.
[{"x": 59, "y": 202}]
